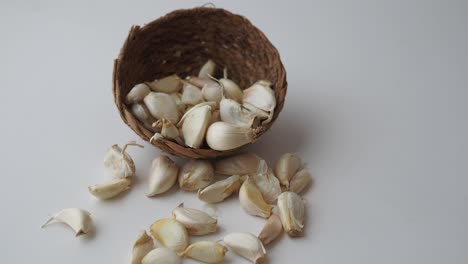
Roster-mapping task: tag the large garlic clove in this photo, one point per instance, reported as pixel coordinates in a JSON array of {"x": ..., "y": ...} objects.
[
  {"x": 291, "y": 209},
  {"x": 251, "y": 200},
  {"x": 110, "y": 189},
  {"x": 171, "y": 234},
  {"x": 286, "y": 166},
  {"x": 178, "y": 100},
  {"x": 247, "y": 246},
  {"x": 142, "y": 246},
  {"x": 77, "y": 219},
  {"x": 195, "y": 124},
  {"x": 233, "y": 113},
  {"x": 143, "y": 115},
  {"x": 225, "y": 136},
  {"x": 299, "y": 181},
  {"x": 137, "y": 93},
  {"x": 191, "y": 95},
  {"x": 267, "y": 183},
  {"x": 231, "y": 90},
  {"x": 169, "y": 84},
  {"x": 163, "y": 175},
  {"x": 242, "y": 164},
  {"x": 271, "y": 230},
  {"x": 195, "y": 174},
  {"x": 212, "y": 92},
  {"x": 195, "y": 221},
  {"x": 161, "y": 256},
  {"x": 261, "y": 96},
  {"x": 118, "y": 162},
  {"x": 207, "y": 70},
  {"x": 220, "y": 190},
  {"x": 206, "y": 252},
  {"x": 169, "y": 130},
  {"x": 162, "y": 105}
]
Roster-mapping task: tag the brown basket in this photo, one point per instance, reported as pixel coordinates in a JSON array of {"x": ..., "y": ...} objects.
[{"x": 181, "y": 42}]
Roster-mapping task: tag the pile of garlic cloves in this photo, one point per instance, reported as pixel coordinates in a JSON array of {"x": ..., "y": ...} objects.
[{"x": 202, "y": 111}]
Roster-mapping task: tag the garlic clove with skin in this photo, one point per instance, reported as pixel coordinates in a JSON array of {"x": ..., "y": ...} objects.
[
  {"x": 191, "y": 95},
  {"x": 195, "y": 124},
  {"x": 207, "y": 69},
  {"x": 267, "y": 183},
  {"x": 161, "y": 256},
  {"x": 272, "y": 229},
  {"x": 195, "y": 174},
  {"x": 220, "y": 190},
  {"x": 212, "y": 92},
  {"x": 206, "y": 252},
  {"x": 233, "y": 113},
  {"x": 143, "y": 245},
  {"x": 291, "y": 210},
  {"x": 195, "y": 221},
  {"x": 110, "y": 189},
  {"x": 247, "y": 246},
  {"x": 300, "y": 181},
  {"x": 77, "y": 219},
  {"x": 261, "y": 96},
  {"x": 143, "y": 115},
  {"x": 169, "y": 84},
  {"x": 163, "y": 175},
  {"x": 168, "y": 130},
  {"x": 171, "y": 234},
  {"x": 231, "y": 90},
  {"x": 137, "y": 93},
  {"x": 162, "y": 105},
  {"x": 178, "y": 100},
  {"x": 225, "y": 136},
  {"x": 200, "y": 82},
  {"x": 242, "y": 164},
  {"x": 251, "y": 200},
  {"x": 118, "y": 162},
  {"x": 286, "y": 166}
]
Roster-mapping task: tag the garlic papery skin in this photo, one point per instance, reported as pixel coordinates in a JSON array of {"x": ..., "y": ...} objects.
[
  {"x": 271, "y": 230},
  {"x": 169, "y": 84},
  {"x": 195, "y": 174},
  {"x": 143, "y": 245},
  {"x": 206, "y": 252},
  {"x": 231, "y": 90},
  {"x": 267, "y": 183},
  {"x": 220, "y": 190},
  {"x": 242, "y": 164},
  {"x": 178, "y": 100},
  {"x": 161, "y": 256},
  {"x": 261, "y": 96},
  {"x": 286, "y": 166},
  {"x": 251, "y": 200},
  {"x": 207, "y": 70},
  {"x": 143, "y": 115},
  {"x": 300, "y": 181},
  {"x": 77, "y": 219},
  {"x": 169, "y": 130},
  {"x": 163, "y": 175},
  {"x": 191, "y": 95},
  {"x": 118, "y": 162},
  {"x": 233, "y": 113},
  {"x": 195, "y": 125},
  {"x": 137, "y": 93},
  {"x": 291, "y": 209},
  {"x": 247, "y": 246},
  {"x": 110, "y": 189},
  {"x": 224, "y": 136},
  {"x": 212, "y": 92},
  {"x": 171, "y": 234},
  {"x": 162, "y": 105},
  {"x": 195, "y": 221}
]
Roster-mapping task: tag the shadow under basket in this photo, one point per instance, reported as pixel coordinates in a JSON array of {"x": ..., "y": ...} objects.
[{"x": 180, "y": 43}]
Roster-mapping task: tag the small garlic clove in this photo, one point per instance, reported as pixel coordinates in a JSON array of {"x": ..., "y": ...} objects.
[
  {"x": 247, "y": 246},
  {"x": 286, "y": 166},
  {"x": 257, "y": 112},
  {"x": 251, "y": 200},
  {"x": 143, "y": 115},
  {"x": 169, "y": 130},
  {"x": 110, "y": 189},
  {"x": 206, "y": 252},
  {"x": 163, "y": 175},
  {"x": 137, "y": 93},
  {"x": 299, "y": 181},
  {"x": 77, "y": 219},
  {"x": 178, "y": 100},
  {"x": 195, "y": 221},
  {"x": 242, "y": 164},
  {"x": 231, "y": 90},
  {"x": 207, "y": 69},
  {"x": 220, "y": 190},
  {"x": 191, "y": 95},
  {"x": 162, "y": 105},
  {"x": 195, "y": 174},
  {"x": 212, "y": 92},
  {"x": 171, "y": 234},
  {"x": 291, "y": 209},
  {"x": 267, "y": 183},
  {"x": 225, "y": 136},
  {"x": 195, "y": 124},
  {"x": 161, "y": 256},
  {"x": 271, "y": 230},
  {"x": 233, "y": 113},
  {"x": 118, "y": 162},
  {"x": 169, "y": 84},
  {"x": 143, "y": 245},
  {"x": 261, "y": 96},
  {"x": 200, "y": 82}
]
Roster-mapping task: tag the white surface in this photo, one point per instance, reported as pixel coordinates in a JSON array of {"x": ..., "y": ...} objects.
[{"x": 376, "y": 106}]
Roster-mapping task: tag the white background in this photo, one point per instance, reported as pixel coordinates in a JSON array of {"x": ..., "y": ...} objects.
[{"x": 376, "y": 107}]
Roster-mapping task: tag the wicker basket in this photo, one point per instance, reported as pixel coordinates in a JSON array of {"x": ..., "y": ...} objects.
[{"x": 181, "y": 42}]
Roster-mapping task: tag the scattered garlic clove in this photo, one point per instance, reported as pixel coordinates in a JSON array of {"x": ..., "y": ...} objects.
[
  {"x": 169, "y": 84},
  {"x": 195, "y": 125},
  {"x": 206, "y": 252},
  {"x": 195, "y": 221},
  {"x": 137, "y": 93},
  {"x": 118, "y": 162},
  {"x": 247, "y": 246},
  {"x": 142, "y": 246},
  {"x": 299, "y": 181},
  {"x": 251, "y": 200},
  {"x": 225, "y": 136},
  {"x": 161, "y": 256},
  {"x": 163, "y": 175},
  {"x": 242, "y": 164},
  {"x": 267, "y": 183},
  {"x": 271, "y": 230},
  {"x": 171, "y": 234},
  {"x": 143, "y": 115},
  {"x": 110, "y": 189},
  {"x": 191, "y": 95},
  {"x": 77, "y": 219},
  {"x": 200, "y": 82},
  {"x": 195, "y": 174},
  {"x": 168, "y": 130},
  {"x": 286, "y": 166},
  {"x": 261, "y": 96},
  {"x": 207, "y": 69},
  {"x": 220, "y": 190},
  {"x": 291, "y": 209},
  {"x": 178, "y": 100},
  {"x": 233, "y": 113},
  {"x": 212, "y": 92}
]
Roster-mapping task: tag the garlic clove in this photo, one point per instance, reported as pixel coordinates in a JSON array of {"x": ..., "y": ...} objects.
[
  {"x": 212, "y": 92},
  {"x": 247, "y": 246},
  {"x": 220, "y": 190},
  {"x": 168, "y": 130},
  {"x": 206, "y": 252},
  {"x": 171, "y": 234},
  {"x": 169, "y": 84},
  {"x": 195, "y": 174},
  {"x": 162, "y": 105},
  {"x": 286, "y": 166},
  {"x": 291, "y": 209},
  {"x": 143, "y": 115},
  {"x": 110, "y": 189},
  {"x": 251, "y": 200},
  {"x": 242, "y": 164},
  {"x": 215, "y": 117},
  {"x": 191, "y": 95},
  {"x": 195, "y": 221},
  {"x": 225, "y": 136},
  {"x": 118, "y": 162},
  {"x": 161, "y": 256},
  {"x": 299, "y": 181},
  {"x": 77, "y": 219},
  {"x": 163, "y": 175},
  {"x": 257, "y": 112},
  {"x": 271, "y": 230},
  {"x": 137, "y": 93},
  {"x": 231, "y": 90},
  {"x": 261, "y": 96},
  {"x": 233, "y": 113},
  {"x": 143, "y": 245},
  {"x": 195, "y": 124},
  {"x": 200, "y": 82},
  {"x": 178, "y": 100},
  {"x": 267, "y": 183},
  {"x": 193, "y": 108},
  {"x": 207, "y": 69}
]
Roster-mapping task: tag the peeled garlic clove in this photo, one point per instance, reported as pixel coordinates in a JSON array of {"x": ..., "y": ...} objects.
[
  {"x": 195, "y": 124},
  {"x": 163, "y": 175},
  {"x": 162, "y": 105},
  {"x": 220, "y": 190},
  {"x": 142, "y": 246},
  {"x": 251, "y": 200},
  {"x": 225, "y": 136},
  {"x": 195, "y": 174},
  {"x": 247, "y": 246},
  {"x": 143, "y": 115},
  {"x": 299, "y": 181},
  {"x": 168, "y": 130},
  {"x": 77, "y": 219},
  {"x": 169, "y": 84},
  {"x": 193, "y": 108},
  {"x": 212, "y": 92},
  {"x": 171, "y": 234},
  {"x": 207, "y": 69},
  {"x": 200, "y": 82},
  {"x": 195, "y": 221},
  {"x": 267, "y": 183},
  {"x": 286, "y": 166},
  {"x": 118, "y": 162},
  {"x": 110, "y": 189},
  {"x": 178, "y": 100},
  {"x": 271, "y": 230},
  {"x": 191, "y": 95},
  {"x": 261, "y": 96},
  {"x": 291, "y": 209},
  {"x": 231, "y": 90},
  {"x": 242, "y": 164},
  {"x": 233, "y": 113},
  {"x": 161, "y": 256},
  {"x": 206, "y": 252},
  {"x": 137, "y": 93}
]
